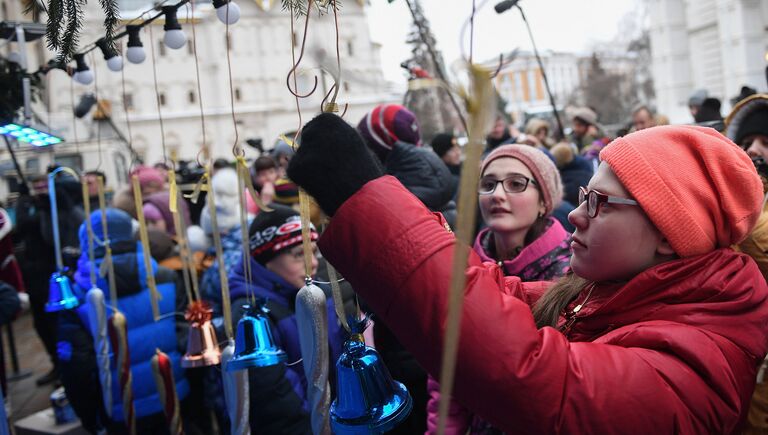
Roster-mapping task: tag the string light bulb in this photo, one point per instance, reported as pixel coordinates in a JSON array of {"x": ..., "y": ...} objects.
[
  {"x": 174, "y": 37},
  {"x": 114, "y": 60},
  {"x": 83, "y": 74},
  {"x": 227, "y": 10},
  {"x": 135, "y": 52}
]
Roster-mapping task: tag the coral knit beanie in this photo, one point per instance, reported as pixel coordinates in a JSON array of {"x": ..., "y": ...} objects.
[{"x": 699, "y": 189}]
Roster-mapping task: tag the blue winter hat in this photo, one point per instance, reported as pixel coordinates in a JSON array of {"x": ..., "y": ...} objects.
[{"x": 119, "y": 227}]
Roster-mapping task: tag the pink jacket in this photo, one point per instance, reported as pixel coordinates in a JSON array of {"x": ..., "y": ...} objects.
[{"x": 546, "y": 258}]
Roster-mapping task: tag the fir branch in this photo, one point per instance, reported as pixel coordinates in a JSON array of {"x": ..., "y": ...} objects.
[
  {"x": 299, "y": 7},
  {"x": 71, "y": 37},
  {"x": 53, "y": 27},
  {"x": 327, "y": 6},
  {"x": 34, "y": 8},
  {"x": 111, "y": 14}
]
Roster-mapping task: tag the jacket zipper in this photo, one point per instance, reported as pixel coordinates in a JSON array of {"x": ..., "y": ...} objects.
[{"x": 570, "y": 318}]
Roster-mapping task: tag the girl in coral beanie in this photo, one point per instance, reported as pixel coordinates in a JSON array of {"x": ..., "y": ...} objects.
[{"x": 659, "y": 329}]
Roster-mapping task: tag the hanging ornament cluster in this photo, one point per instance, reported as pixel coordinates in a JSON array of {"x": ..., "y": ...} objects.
[{"x": 227, "y": 11}]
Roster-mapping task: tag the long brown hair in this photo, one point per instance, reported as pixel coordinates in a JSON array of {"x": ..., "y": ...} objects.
[{"x": 547, "y": 310}]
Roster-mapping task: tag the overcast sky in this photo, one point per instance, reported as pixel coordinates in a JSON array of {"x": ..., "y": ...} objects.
[{"x": 563, "y": 25}]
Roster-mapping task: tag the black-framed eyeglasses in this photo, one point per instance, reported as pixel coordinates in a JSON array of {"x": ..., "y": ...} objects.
[
  {"x": 513, "y": 184},
  {"x": 595, "y": 199}
]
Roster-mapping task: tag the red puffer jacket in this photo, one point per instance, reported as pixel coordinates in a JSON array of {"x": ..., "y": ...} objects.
[{"x": 675, "y": 350}]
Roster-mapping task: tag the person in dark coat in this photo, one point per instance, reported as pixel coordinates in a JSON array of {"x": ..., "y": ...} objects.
[
  {"x": 392, "y": 134},
  {"x": 575, "y": 170},
  {"x": 278, "y": 399},
  {"x": 77, "y": 358},
  {"x": 34, "y": 233}
]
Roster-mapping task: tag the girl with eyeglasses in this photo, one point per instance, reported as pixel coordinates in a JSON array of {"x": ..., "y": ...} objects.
[
  {"x": 660, "y": 328},
  {"x": 518, "y": 190}
]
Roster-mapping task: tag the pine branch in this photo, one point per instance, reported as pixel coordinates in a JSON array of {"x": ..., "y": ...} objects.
[
  {"x": 299, "y": 7},
  {"x": 71, "y": 38},
  {"x": 34, "y": 8},
  {"x": 53, "y": 27},
  {"x": 111, "y": 13}
]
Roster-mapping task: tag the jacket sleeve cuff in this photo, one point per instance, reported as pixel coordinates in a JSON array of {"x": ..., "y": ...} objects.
[{"x": 367, "y": 238}]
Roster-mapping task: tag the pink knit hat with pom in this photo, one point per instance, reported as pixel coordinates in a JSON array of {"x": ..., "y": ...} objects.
[{"x": 541, "y": 166}]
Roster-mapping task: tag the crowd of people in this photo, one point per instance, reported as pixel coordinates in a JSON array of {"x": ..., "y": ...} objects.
[{"x": 615, "y": 284}]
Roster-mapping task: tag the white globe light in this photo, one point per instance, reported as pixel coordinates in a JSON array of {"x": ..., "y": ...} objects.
[
  {"x": 175, "y": 39},
  {"x": 135, "y": 54},
  {"x": 230, "y": 17},
  {"x": 115, "y": 63},
  {"x": 83, "y": 77},
  {"x": 14, "y": 56}
]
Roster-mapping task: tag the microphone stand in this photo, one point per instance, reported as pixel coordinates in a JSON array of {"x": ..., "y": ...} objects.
[{"x": 543, "y": 74}]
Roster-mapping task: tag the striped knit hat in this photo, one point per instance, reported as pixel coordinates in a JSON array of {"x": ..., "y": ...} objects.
[
  {"x": 387, "y": 124},
  {"x": 274, "y": 232}
]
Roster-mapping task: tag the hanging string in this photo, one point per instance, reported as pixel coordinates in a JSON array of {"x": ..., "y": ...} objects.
[
  {"x": 237, "y": 150},
  {"x": 125, "y": 110},
  {"x": 98, "y": 107},
  {"x": 181, "y": 240},
  {"x": 295, "y": 83},
  {"x": 55, "y": 212},
  {"x": 89, "y": 229},
  {"x": 110, "y": 272},
  {"x": 226, "y": 306},
  {"x": 157, "y": 96},
  {"x": 74, "y": 118},
  {"x": 306, "y": 241},
  {"x": 187, "y": 261},
  {"x": 155, "y": 296},
  {"x": 301, "y": 56},
  {"x": 332, "y": 106},
  {"x": 480, "y": 112},
  {"x": 244, "y": 233},
  {"x": 471, "y": 31},
  {"x": 204, "y": 147},
  {"x": 48, "y": 100}
]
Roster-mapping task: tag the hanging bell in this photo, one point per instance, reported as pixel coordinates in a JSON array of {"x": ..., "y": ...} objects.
[
  {"x": 368, "y": 400},
  {"x": 202, "y": 345},
  {"x": 60, "y": 294},
  {"x": 254, "y": 344}
]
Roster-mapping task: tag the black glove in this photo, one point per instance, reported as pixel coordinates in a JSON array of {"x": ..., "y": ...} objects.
[{"x": 332, "y": 162}]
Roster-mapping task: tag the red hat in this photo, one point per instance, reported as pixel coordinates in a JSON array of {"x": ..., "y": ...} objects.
[
  {"x": 389, "y": 123},
  {"x": 699, "y": 189}
]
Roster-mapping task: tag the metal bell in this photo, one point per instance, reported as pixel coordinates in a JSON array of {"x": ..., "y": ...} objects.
[
  {"x": 254, "y": 345},
  {"x": 368, "y": 400},
  {"x": 202, "y": 345},
  {"x": 60, "y": 294}
]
